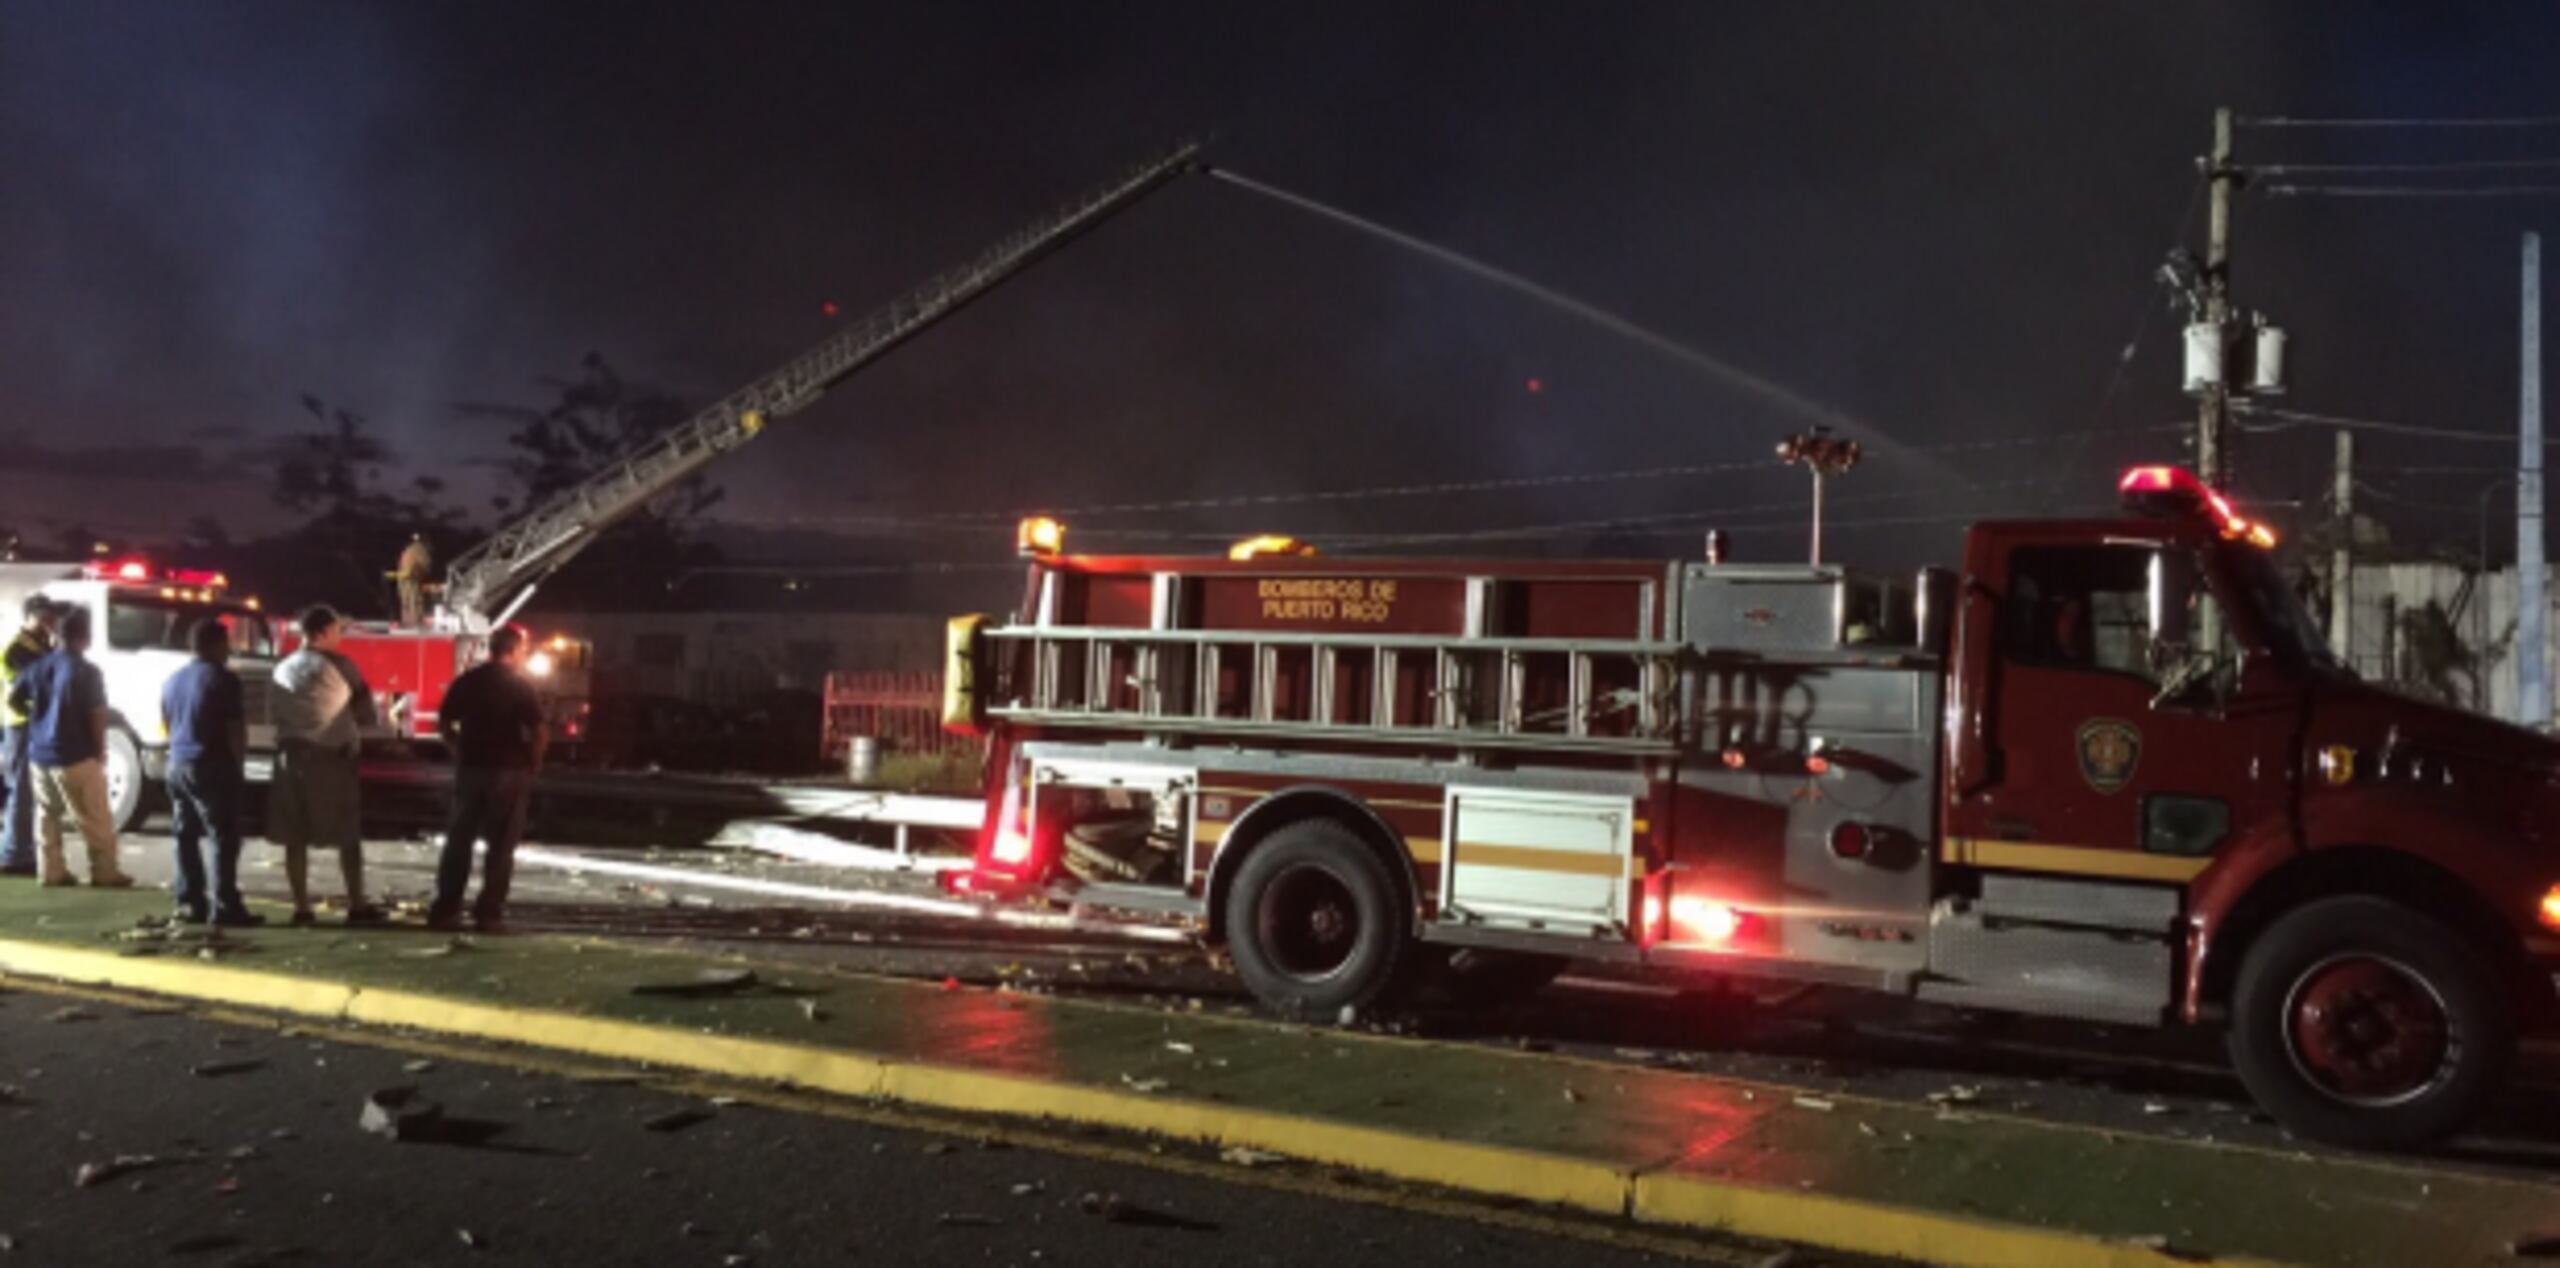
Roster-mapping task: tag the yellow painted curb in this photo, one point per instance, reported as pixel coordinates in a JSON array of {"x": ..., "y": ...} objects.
[{"x": 1811, "y": 1219}]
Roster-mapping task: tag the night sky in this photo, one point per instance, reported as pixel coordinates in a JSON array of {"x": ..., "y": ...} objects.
[{"x": 1939, "y": 220}]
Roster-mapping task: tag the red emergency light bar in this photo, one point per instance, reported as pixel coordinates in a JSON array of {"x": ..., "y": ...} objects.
[
  {"x": 2165, "y": 490},
  {"x": 140, "y": 570}
]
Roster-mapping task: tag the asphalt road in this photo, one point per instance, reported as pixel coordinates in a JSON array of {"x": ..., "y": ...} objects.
[
  {"x": 2121, "y": 1079},
  {"x": 243, "y": 1147}
]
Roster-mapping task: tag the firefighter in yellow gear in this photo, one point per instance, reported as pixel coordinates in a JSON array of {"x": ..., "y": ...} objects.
[{"x": 416, "y": 563}]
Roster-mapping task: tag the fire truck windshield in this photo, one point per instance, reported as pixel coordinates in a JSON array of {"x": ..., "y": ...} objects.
[{"x": 146, "y": 622}]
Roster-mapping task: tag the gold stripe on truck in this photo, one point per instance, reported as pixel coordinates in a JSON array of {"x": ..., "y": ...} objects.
[
  {"x": 2075, "y": 860},
  {"x": 1532, "y": 859}
]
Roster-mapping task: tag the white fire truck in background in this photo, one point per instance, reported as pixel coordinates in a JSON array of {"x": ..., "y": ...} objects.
[{"x": 141, "y": 616}]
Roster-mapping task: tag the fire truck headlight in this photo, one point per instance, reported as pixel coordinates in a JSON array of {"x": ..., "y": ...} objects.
[
  {"x": 2550, "y": 913},
  {"x": 539, "y": 664}
]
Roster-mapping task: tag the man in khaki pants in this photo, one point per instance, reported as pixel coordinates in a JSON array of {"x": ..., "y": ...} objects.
[{"x": 65, "y": 701}]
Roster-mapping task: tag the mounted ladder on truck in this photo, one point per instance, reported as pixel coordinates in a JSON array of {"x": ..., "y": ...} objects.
[{"x": 488, "y": 584}]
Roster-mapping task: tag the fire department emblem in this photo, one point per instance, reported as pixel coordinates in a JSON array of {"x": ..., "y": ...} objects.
[{"x": 2109, "y": 750}]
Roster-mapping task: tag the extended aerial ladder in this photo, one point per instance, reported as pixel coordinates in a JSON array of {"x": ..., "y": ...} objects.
[{"x": 487, "y": 584}]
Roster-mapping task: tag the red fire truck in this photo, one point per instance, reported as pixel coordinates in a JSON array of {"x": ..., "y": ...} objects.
[
  {"x": 2106, "y": 771},
  {"x": 409, "y": 670}
]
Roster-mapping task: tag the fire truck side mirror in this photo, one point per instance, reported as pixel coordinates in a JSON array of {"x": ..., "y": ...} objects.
[{"x": 2173, "y": 584}]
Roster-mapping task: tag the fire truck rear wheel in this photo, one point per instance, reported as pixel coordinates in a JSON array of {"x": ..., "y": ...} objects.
[
  {"x": 126, "y": 804},
  {"x": 1315, "y": 923},
  {"x": 2359, "y": 1022}
]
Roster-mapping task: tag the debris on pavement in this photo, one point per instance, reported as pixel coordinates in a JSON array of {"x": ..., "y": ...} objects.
[
  {"x": 1145, "y": 1086},
  {"x": 399, "y": 1113},
  {"x": 471, "y": 1239},
  {"x": 217, "y": 1069},
  {"x": 1113, "y": 1209},
  {"x": 709, "y": 982},
  {"x": 451, "y": 946},
  {"x": 1245, "y": 1157},
  {"x": 92, "y": 1174},
  {"x": 418, "y": 1066},
  {"x": 1815, "y": 1103},
  {"x": 677, "y": 1120}
]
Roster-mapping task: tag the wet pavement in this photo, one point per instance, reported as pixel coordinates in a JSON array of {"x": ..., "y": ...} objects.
[{"x": 2168, "y": 1084}]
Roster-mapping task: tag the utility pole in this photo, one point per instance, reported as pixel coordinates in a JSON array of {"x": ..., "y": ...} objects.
[
  {"x": 2213, "y": 405},
  {"x": 2342, "y": 554},
  {"x": 2533, "y": 686}
]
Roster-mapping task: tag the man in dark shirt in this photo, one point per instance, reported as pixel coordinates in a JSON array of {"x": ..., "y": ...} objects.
[
  {"x": 492, "y": 719},
  {"x": 65, "y": 699},
  {"x": 18, "y": 805},
  {"x": 208, "y": 729}
]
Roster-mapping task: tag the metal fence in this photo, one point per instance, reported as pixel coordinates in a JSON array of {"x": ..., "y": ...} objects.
[{"x": 902, "y": 710}]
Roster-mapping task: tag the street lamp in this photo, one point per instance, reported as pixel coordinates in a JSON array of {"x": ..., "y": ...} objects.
[{"x": 1824, "y": 455}]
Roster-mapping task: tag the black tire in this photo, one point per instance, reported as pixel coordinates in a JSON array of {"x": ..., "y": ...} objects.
[
  {"x": 2361, "y": 1023},
  {"x": 1316, "y": 923},
  {"x": 1475, "y": 977},
  {"x": 126, "y": 802}
]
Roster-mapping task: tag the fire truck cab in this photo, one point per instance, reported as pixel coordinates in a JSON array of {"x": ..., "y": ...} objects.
[
  {"x": 2107, "y": 770},
  {"x": 141, "y": 616}
]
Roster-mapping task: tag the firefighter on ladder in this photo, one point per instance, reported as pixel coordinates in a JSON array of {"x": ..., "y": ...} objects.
[{"x": 416, "y": 563}]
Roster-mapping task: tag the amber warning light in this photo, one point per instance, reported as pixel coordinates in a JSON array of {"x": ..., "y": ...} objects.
[{"x": 1039, "y": 536}]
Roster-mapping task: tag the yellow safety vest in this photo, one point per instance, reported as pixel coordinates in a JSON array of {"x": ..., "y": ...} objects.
[{"x": 23, "y": 651}]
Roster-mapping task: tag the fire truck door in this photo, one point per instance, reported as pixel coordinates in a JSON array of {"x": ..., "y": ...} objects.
[{"x": 2093, "y": 774}]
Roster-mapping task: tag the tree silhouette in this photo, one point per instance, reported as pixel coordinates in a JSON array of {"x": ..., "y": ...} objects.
[{"x": 597, "y": 418}]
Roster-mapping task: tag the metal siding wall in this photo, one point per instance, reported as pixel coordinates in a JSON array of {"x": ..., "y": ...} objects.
[{"x": 2488, "y": 619}]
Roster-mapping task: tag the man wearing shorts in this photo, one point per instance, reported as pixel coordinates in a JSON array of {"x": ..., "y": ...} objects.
[{"x": 321, "y": 706}]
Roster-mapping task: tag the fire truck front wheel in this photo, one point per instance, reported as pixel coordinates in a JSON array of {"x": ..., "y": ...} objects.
[
  {"x": 1315, "y": 922},
  {"x": 2359, "y": 1022},
  {"x": 125, "y": 779}
]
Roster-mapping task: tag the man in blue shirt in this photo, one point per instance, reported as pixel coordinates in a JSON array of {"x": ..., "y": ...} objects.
[
  {"x": 65, "y": 699},
  {"x": 18, "y": 815},
  {"x": 208, "y": 729}
]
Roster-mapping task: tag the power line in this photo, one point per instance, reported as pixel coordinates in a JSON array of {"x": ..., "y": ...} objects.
[
  {"x": 1447, "y": 488},
  {"x": 2409, "y": 191},
  {"x": 2291, "y": 121},
  {"x": 2414, "y": 169},
  {"x": 2118, "y": 373},
  {"x": 2292, "y": 418}
]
